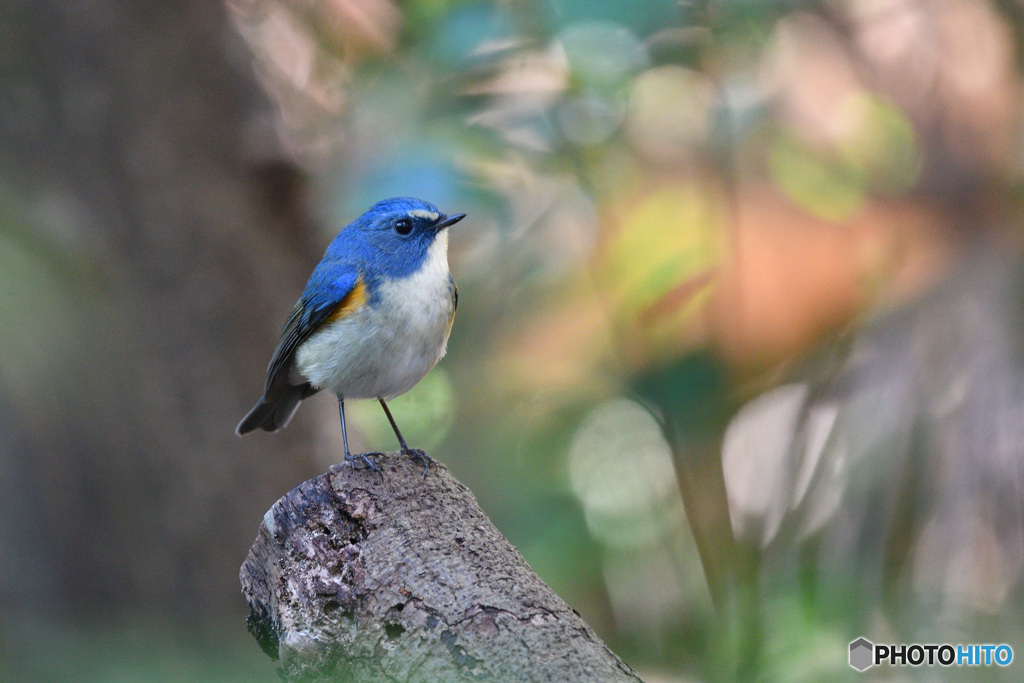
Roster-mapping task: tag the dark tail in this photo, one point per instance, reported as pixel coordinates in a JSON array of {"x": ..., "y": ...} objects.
[{"x": 274, "y": 413}]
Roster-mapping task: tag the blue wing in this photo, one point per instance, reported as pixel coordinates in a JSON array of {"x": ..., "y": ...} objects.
[
  {"x": 333, "y": 291},
  {"x": 330, "y": 293}
]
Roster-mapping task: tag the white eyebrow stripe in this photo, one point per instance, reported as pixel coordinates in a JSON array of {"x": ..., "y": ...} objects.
[{"x": 423, "y": 213}]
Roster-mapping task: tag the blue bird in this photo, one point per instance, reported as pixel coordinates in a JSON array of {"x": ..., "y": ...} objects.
[{"x": 373, "y": 320}]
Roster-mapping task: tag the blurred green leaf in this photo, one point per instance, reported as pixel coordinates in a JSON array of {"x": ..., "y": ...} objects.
[{"x": 829, "y": 188}]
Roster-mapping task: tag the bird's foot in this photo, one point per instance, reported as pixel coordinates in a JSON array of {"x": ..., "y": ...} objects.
[
  {"x": 351, "y": 461},
  {"x": 420, "y": 456}
]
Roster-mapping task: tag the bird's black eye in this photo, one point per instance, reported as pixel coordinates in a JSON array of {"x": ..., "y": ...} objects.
[{"x": 403, "y": 226}]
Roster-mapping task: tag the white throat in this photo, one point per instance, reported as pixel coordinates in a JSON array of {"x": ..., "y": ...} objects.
[{"x": 435, "y": 263}]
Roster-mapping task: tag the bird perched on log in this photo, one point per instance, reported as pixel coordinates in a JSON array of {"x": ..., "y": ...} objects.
[{"x": 373, "y": 320}]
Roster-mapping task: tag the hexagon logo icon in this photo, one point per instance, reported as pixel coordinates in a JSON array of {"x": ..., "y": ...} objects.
[{"x": 861, "y": 654}]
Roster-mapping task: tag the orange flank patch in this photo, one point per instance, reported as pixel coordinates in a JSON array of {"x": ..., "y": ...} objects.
[
  {"x": 451, "y": 321},
  {"x": 352, "y": 302},
  {"x": 455, "y": 305}
]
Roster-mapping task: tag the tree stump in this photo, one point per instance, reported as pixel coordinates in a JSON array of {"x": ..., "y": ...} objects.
[{"x": 402, "y": 577}]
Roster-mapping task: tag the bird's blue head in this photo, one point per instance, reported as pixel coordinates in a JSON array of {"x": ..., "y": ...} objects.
[{"x": 393, "y": 238}]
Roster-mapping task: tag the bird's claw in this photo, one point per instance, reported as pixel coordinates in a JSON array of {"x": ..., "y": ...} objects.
[
  {"x": 419, "y": 455},
  {"x": 351, "y": 460}
]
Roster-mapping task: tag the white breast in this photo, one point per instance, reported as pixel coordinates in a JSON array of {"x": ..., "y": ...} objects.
[{"x": 384, "y": 350}]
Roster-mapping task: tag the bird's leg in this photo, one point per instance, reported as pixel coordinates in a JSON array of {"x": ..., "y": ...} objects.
[
  {"x": 415, "y": 453},
  {"x": 349, "y": 458},
  {"x": 344, "y": 434}
]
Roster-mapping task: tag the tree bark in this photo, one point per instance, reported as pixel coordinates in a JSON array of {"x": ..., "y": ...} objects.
[{"x": 402, "y": 577}]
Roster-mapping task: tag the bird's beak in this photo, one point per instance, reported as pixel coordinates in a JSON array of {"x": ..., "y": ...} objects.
[{"x": 449, "y": 221}]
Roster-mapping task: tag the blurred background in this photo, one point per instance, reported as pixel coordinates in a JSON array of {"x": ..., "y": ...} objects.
[{"x": 739, "y": 358}]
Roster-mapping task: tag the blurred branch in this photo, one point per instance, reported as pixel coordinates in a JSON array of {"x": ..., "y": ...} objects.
[{"x": 403, "y": 577}]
